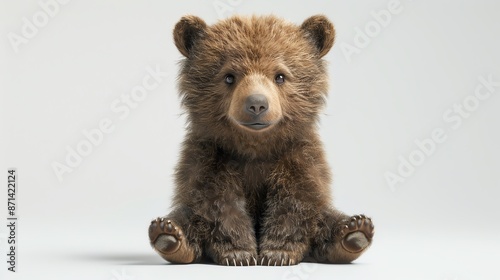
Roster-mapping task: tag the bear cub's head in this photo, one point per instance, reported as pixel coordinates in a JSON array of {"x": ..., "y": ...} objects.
[{"x": 253, "y": 76}]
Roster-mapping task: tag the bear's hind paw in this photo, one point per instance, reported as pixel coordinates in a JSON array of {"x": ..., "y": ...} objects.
[
  {"x": 356, "y": 233},
  {"x": 169, "y": 241}
]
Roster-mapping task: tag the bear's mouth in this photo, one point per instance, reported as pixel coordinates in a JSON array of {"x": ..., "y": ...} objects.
[{"x": 256, "y": 125}]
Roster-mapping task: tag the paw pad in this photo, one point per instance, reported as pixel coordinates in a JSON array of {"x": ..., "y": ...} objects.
[
  {"x": 165, "y": 236},
  {"x": 356, "y": 233}
]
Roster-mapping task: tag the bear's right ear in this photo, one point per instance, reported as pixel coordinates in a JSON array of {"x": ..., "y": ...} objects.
[
  {"x": 321, "y": 31},
  {"x": 187, "y": 31}
]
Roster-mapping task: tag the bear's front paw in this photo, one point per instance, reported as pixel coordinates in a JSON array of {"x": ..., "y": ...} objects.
[
  {"x": 277, "y": 258},
  {"x": 237, "y": 258},
  {"x": 356, "y": 233}
]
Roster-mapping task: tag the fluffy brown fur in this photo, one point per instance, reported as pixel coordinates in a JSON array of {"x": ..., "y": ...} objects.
[{"x": 247, "y": 196}]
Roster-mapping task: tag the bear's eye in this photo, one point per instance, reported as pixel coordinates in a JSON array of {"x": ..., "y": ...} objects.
[
  {"x": 229, "y": 79},
  {"x": 279, "y": 79}
]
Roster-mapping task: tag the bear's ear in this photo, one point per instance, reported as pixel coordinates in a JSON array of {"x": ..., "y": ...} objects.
[
  {"x": 187, "y": 31},
  {"x": 321, "y": 31}
]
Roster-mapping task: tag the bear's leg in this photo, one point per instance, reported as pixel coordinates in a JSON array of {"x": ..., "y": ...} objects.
[
  {"x": 171, "y": 238},
  {"x": 232, "y": 239},
  {"x": 286, "y": 231},
  {"x": 340, "y": 238},
  {"x": 210, "y": 182}
]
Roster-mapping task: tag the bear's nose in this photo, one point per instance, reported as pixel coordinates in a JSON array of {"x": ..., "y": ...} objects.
[{"x": 256, "y": 104}]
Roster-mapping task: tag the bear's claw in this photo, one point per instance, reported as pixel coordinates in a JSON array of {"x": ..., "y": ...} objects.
[
  {"x": 277, "y": 258},
  {"x": 239, "y": 258}
]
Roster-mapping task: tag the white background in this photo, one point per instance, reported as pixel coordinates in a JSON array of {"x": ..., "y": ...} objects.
[{"x": 440, "y": 223}]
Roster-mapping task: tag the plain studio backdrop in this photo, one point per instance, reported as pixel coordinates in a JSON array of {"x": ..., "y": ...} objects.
[{"x": 411, "y": 131}]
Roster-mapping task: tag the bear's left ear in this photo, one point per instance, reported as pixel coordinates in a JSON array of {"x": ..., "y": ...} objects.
[
  {"x": 321, "y": 31},
  {"x": 187, "y": 31}
]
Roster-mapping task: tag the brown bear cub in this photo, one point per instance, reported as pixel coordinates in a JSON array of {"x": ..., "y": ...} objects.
[{"x": 252, "y": 183}]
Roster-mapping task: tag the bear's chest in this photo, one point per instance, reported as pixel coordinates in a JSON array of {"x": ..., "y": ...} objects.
[
  {"x": 254, "y": 178},
  {"x": 255, "y": 175}
]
